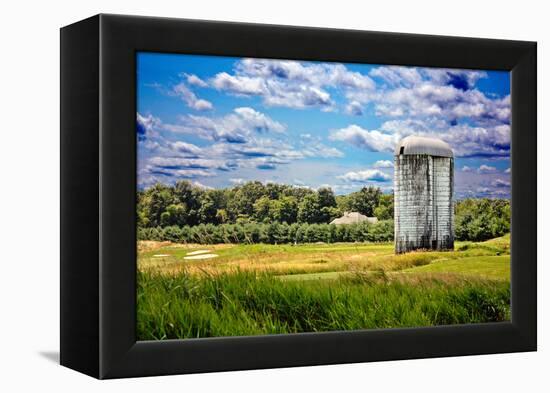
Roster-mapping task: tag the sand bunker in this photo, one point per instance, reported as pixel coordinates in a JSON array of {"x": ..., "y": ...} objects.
[
  {"x": 198, "y": 252},
  {"x": 202, "y": 256},
  {"x": 161, "y": 255}
]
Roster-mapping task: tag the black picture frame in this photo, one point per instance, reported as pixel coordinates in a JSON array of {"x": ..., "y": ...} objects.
[{"x": 98, "y": 195}]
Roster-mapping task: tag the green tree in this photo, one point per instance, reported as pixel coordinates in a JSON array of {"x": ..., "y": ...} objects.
[
  {"x": 262, "y": 209},
  {"x": 244, "y": 197},
  {"x": 165, "y": 219},
  {"x": 190, "y": 196},
  {"x": 365, "y": 200},
  {"x": 286, "y": 210},
  {"x": 158, "y": 197},
  {"x": 326, "y": 197},
  {"x": 221, "y": 216},
  {"x": 327, "y": 204},
  {"x": 208, "y": 209},
  {"x": 309, "y": 209},
  {"x": 384, "y": 210},
  {"x": 178, "y": 214}
]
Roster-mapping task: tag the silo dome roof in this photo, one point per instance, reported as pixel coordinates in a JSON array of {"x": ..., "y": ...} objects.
[{"x": 423, "y": 145}]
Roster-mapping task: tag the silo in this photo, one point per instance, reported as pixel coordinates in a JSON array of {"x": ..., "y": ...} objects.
[{"x": 423, "y": 194}]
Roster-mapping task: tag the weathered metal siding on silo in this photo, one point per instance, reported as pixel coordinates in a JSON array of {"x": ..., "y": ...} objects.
[
  {"x": 443, "y": 231},
  {"x": 423, "y": 190}
]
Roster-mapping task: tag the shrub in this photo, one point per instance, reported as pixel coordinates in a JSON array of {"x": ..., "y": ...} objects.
[
  {"x": 481, "y": 219},
  {"x": 270, "y": 233}
]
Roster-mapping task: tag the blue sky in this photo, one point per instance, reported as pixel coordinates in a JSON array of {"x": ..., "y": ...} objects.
[{"x": 221, "y": 121}]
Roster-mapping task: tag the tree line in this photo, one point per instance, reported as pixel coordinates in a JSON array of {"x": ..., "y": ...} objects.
[
  {"x": 271, "y": 233},
  {"x": 277, "y": 213},
  {"x": 184, "y": 204}
]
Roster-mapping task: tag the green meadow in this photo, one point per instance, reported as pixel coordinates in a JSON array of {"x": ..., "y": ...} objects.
[{"x": 193, "y": 291}]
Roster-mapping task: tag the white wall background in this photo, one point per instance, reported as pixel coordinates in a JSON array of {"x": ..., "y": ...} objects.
[{"x": 29, "y": 194}]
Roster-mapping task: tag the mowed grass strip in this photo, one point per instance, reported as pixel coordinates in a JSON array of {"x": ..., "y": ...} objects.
[
  {"x": 494, "y": 267},
  {"x": 245, "y": 303}
]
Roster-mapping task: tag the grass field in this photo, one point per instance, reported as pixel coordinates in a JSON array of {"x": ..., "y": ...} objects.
[{"x": 262, "y": 289}]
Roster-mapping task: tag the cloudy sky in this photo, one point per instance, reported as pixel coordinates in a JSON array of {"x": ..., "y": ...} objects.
[{"x": 220, "y": 121}]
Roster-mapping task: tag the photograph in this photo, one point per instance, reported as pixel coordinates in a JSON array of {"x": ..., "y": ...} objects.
[
  {"x": 271, "y": 197},
  {"x": 281, "y": 196}
]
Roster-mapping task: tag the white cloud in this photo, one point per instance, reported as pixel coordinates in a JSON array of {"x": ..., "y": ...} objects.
[
  {"x": 367, "y": 175},
  {"x": 461, "y": 79},
  {"x": 256, "y": 153},
  {"x": 397, "y": 75},
  {"x": 500, "y": 183},
  {"x": 364, "y": 139},
  {"x": 439, "y": 103},
  {"x": 237, "y": 127},
  {"x": 260, "y": 122},
  {"x": 313, "y": 147},
  {"x": 323, "y": 151},
  {"x": 501, "y": 193},
  {"x": 147, "y": 126},
  {"x": 339, "y": 75},
  {"x": 191, "y": 173},
  {"x": 299, "y": 97},
  {"x": 178, "y": 173},
  {"x": 421, "y": 100},
  {"x": 425, "y": 96},
  {"x": 508, "y": 170},
  {"x": 316, "y": 74},
  {"x": 489, "y": 181},
  {"x": 486, "y": 169},
  {"x": 264, "y": 153},
  {"x": 174, "y": 163},
  {"x": 203, "y": 186},
  {"x": 192, "y": 101},
  {"x": 354, "y": 108},
  {"x": 239, "y": 85},
  {"x": 445, "y": 93},
  {"x": 237, "y": 181},
  {"x": 292, "y": 84},
  {"x": 186, "y": 149},
  {"x": 383, "y": 164},
  {"x": 194, "y": 80},
  {"x": 411, "y": 76},
  {"x": 465, "y": 140}
]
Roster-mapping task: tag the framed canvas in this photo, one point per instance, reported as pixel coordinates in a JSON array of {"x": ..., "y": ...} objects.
[{"x": 239, "y": 196}]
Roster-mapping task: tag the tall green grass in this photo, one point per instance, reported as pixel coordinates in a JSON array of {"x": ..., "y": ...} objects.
[{"x": 185, "y": 306}]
